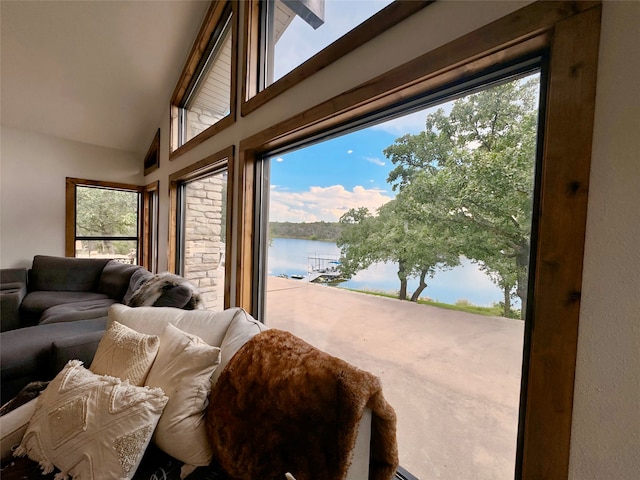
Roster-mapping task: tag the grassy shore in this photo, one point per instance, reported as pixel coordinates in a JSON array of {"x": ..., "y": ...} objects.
[{"x": 460, "y": 306}]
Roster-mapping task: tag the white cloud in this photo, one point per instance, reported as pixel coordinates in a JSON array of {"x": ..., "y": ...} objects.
[
  {"x": 279, "y": 159},
  {"x": 411, "y": 123},
  {"x": 349, "y": 151},
  {"x": 375, "y": 161},
  {"x": 322, "y": 203}
]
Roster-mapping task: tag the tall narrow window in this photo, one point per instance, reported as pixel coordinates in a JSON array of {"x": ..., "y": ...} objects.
[
  {"x": 434, "y": 209},
  {"x": 104, "y": 220},
  {"x": 204, "y": 99},
  {"x": 199, "y": 206},
  {"x": 209, "y": 98},
  {"x": 150, "y": 207}
]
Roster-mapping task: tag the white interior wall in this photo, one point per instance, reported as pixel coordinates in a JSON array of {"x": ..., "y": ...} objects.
[
  {"x": 605, "y": 442},
  {"x": 33, "y": 168}
]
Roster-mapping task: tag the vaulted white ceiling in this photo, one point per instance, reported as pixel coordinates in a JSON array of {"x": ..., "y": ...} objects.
[{"x": 99, "y": 72}]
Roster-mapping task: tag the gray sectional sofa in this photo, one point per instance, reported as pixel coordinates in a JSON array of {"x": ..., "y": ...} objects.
[{"x": 57, "y": 310}]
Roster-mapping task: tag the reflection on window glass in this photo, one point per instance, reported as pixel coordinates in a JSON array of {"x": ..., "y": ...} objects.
[
  {"x": 124, "y": 251},
  {"x": 298, "y": 29},
  {"x": 403, "y": 248},
  {"x": 107, "y": 223},
  {"x": 210, "y": 98},
  {"x": 150, "y": 233},
  {"x": 204, "y": 233}
]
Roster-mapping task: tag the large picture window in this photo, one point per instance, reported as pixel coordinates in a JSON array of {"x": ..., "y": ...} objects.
[
  {"x": 433, "y": 208},
  {"x": 565, "y": 43}
]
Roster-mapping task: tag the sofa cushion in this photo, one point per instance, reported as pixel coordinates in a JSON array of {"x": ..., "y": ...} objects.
[
  {"x": 228, "y": 329},
  {"x": 25, "y": 353},
  {"x": 11, "y": 296},
  {"x": 35, "y": 303},
  {"x": 67, "y": 274},
  {"x": 183, "y": 371},
  {"x": 13, "y": 288},
  {"x": 85, "y": 425},
  {"x": 72, "y": 312},
  {"x": 125, "y": 353},
  {"x": 13, "y": 275},
  {"x": 75, "y": 347},
  {"x": 115, "y": 277}
]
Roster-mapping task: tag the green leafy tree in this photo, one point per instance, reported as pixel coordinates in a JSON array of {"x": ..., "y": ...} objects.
[
  {"x": 394, "y": 235},
  {"x": 359, "y": 225},
  {"x": 107, "y": 213},
  {"x": 472, "y": 171}
]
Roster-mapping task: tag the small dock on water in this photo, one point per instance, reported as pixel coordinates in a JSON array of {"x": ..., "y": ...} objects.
[{"x": 323, "y": 267}]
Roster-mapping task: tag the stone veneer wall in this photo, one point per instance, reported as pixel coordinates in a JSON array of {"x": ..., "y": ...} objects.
[
  {"x": 204, "y": 245},
  {"x": 199, "y": 119}
]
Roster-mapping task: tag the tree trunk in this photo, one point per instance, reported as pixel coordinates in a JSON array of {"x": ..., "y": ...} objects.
[
  {"x": 402, "y": 275},
  {"x": 421, "y": 286},
  {"x": 522, "y": 288},
  {"x": 507, "y": 302},
  {"x": 403, "y": 290}
]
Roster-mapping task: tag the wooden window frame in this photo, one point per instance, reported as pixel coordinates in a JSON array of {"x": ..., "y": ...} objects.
[
  {"x": 70, "y": 212},
  {"x": 211, "y": 22},
  {"x": 252, "y": 98},
  {"x": 224, "y": 159},
  {"x": 152, "y": 158},
  {"x": 149, "y": 222},
  {"x": 567, "y": 32}
]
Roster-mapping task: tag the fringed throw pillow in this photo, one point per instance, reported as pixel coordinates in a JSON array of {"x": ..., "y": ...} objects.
[{"x": 86, "y": 424}]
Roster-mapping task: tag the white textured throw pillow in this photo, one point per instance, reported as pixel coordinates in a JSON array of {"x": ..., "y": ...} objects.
[
  {"x": 91, "y": 426},
  {"x": 183, "y": 369},
  {"x": 125, "y": 354}
]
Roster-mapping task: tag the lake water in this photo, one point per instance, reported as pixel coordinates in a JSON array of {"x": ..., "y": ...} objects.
[{"x": 466, "y": 282}]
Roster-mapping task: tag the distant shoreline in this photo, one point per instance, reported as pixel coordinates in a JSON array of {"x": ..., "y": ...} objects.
[{"x": 318, "y": 231}]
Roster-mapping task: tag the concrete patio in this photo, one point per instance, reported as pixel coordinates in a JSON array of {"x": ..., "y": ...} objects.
[{"x": 453, "y": 378}]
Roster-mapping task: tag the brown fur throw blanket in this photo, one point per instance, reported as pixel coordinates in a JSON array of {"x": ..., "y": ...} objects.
[{"x": 281, "y": 405}]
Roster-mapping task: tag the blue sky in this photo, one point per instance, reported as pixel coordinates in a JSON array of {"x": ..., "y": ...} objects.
[
  {"x": 323, "y": 181},
  {"x": 354, "y": 159},
  {"x": 300, "y": 41}
]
